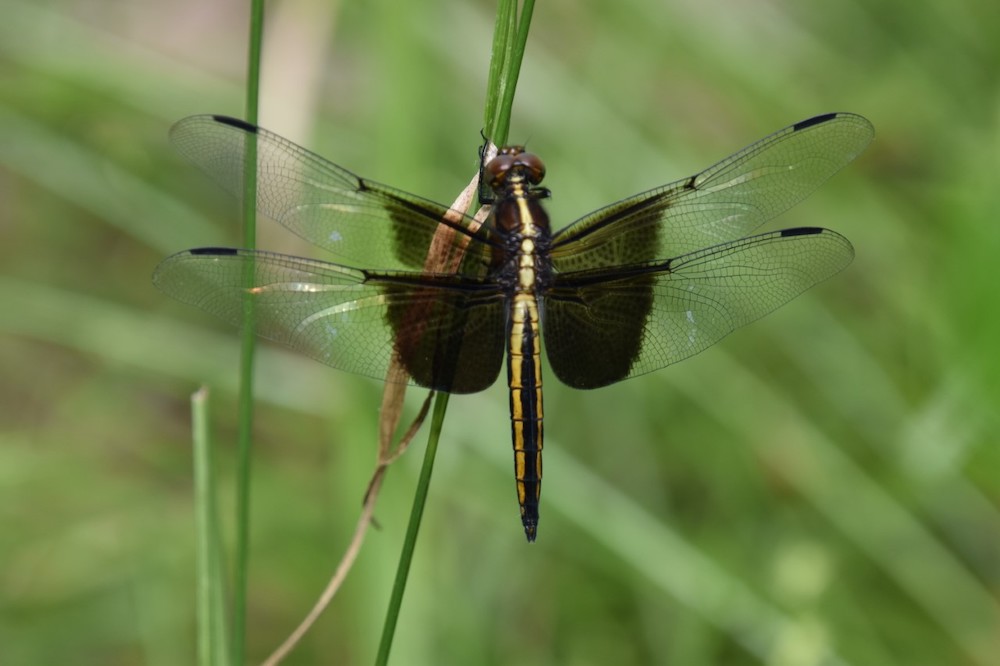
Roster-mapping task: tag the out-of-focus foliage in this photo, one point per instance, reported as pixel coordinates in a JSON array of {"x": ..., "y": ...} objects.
[{"x": 821, "y": 488}]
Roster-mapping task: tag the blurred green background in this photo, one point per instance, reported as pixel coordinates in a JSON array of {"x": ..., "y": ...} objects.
[{"x": 823, "y": 487}]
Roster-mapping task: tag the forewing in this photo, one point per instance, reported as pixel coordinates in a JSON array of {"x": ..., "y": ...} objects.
[
  {"x": 363, "y": 223},
  {"x": 722, "y": 203},
  {"x": 605, "y": 326},
  {"x": 447, "y": 331}
]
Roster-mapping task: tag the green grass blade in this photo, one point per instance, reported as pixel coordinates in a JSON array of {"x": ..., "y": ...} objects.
[
  {"x": 212, "y": 642},
  {"x": 503, "y": 31},
  {"x": 509, "y": 38},
  {"x": 245, "y": 416},
  {"x": 412, "y": 529},
  {"x": 515, "y": 57}
]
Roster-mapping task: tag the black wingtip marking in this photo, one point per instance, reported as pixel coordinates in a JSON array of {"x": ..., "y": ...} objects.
[
  {"x": 237, "y": 123},
  {"x": 815, "y": 120},
  {"x": 219, "y": 251},
  {"x": 801, "y": 231}
]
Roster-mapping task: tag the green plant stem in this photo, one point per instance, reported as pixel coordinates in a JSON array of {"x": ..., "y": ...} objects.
[
  {"x": 412, "y": 529},
  {"x": 247, "y": 348},
  {"x": 210, "y": 610},
  {"x": 202, "y": 499},
  {"x": 510, "y": 37}
]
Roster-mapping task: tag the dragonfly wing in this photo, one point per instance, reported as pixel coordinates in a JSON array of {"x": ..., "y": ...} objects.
[
  {"x": 446, "y": 330},
  {"x": 726, "y": 201},
  {"x": 363, "y": 223},
  {"x": 604, "y": 326}
]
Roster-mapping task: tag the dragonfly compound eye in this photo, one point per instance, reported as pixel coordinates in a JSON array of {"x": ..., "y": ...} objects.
[
  {"x": 497, "y": 170},
  {"x": 533, "y": 168}
]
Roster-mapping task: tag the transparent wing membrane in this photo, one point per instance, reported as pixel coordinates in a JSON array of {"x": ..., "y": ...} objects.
[
  {"x": 362, "y": 223},
  {"x": 724, "y": 202}
]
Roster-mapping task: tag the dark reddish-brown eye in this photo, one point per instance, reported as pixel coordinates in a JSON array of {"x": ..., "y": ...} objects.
[
  {"x": 497, "y": 168},
  {"x": 535, "y": 170}
]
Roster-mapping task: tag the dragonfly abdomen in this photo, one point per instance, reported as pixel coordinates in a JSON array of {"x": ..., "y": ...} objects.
[{"x": 524, "y": 377}]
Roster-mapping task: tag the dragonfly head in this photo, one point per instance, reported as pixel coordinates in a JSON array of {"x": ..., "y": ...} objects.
[{"x": 511, "y": 166}]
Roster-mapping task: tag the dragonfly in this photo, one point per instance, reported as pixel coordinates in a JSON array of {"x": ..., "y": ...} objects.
[{"x": 627, "y": 289}]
